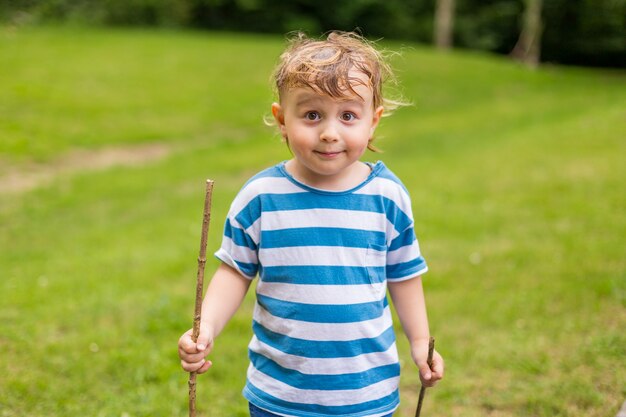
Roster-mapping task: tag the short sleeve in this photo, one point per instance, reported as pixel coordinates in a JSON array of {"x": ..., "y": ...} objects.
[
  {"x": 404, "y": 258},
  {"x": 239, "y": 247}
]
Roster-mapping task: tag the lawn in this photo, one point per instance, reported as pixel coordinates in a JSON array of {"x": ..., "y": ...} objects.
[{"x": 517, "y": 180}]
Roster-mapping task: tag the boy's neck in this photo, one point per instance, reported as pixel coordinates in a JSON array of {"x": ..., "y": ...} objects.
[{"x": 345, "y": 180}]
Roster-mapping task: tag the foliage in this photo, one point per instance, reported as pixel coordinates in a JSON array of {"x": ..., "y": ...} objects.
[
  {"x": 587, "y": 32},
  {"x": 489, "y": 25},
  {"x": 516, "y": 178},
  {"x": 595, "y": 30}
]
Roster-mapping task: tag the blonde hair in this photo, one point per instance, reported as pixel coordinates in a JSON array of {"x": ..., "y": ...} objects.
[{"x": 325, "y": 65}]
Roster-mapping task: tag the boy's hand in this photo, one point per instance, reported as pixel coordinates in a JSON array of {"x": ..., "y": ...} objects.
[
  {"x": 192, "y": 355},
  {"x": 428, "y": 376}
]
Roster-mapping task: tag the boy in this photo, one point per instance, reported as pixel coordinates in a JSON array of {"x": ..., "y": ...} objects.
[{"x": 328, "y": 235}]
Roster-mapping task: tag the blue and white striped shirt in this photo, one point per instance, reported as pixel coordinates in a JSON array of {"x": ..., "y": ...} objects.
[{"x": 323, "y": 341}]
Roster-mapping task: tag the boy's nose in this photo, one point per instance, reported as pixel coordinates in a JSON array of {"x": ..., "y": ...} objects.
[{"x": 329, "y": 133}]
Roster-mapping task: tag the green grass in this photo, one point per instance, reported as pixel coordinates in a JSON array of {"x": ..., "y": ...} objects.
[{"x": 516, "y": 177}]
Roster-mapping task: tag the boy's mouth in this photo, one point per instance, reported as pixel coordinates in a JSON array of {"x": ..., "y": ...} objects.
[{"x": 327, "y": 154}]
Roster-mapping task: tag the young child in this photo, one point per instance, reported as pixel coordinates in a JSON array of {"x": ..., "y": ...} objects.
[{"x": 327, "y": 235}]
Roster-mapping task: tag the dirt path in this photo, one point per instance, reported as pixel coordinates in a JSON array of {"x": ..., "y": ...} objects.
[{"x": 36, "y": 175}]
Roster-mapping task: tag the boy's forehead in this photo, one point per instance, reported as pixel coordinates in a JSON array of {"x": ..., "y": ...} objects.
[
  {"x": 353, "y": 86},
  {"x": 303, "y": 95}
]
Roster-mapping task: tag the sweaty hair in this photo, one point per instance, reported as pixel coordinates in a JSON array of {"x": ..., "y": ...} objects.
[{"x": 325, "y": 65}]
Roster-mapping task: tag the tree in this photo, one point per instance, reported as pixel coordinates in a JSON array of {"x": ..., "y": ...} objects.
[
  {"x": 528, "y": 47},
  {"x": 444, "y": 24}
]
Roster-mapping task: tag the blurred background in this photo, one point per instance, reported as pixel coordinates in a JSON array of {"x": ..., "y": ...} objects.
[
  {"x": 580, "y": 32},
  {"x": 114, "y": 112}
]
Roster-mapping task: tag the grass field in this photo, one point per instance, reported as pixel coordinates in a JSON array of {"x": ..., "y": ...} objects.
[{"x": 517, "y": 179}]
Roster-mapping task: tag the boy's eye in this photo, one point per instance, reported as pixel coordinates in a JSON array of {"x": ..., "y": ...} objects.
[
  {"x": 348, "y": 117},
  {"x": 312, "y": 115}
]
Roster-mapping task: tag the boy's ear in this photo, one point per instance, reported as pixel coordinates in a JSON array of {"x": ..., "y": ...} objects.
[
  {"x": 279, "y": 116},
  {"x": 378, "y": 113}
]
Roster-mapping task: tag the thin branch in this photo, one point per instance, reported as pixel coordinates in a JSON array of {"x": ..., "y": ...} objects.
[
  {"x": 431, "y": 350},
  {"x": 206, "y": 219}
]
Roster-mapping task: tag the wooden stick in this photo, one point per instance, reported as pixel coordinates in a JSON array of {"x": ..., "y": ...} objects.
[
  {"x": 199, "y": 287},
  {"x": 429, "y": 361}
]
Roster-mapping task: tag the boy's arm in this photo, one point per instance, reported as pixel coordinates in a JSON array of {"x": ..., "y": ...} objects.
[
  {"x": 223, "y": 297},
  {"x": 408, "y": 300}
]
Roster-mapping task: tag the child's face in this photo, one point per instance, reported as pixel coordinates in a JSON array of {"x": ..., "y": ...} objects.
[{"x": 326, "y": 135}]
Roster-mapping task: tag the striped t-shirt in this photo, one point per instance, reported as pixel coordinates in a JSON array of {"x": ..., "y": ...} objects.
[{"x": 323, "y": 341}]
